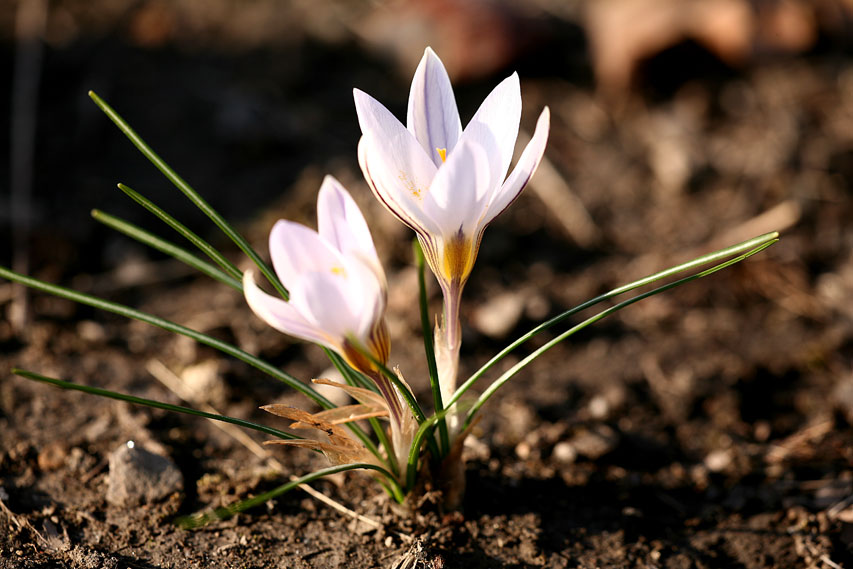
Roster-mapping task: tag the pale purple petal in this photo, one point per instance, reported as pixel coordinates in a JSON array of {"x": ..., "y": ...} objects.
[
  {"x": 397, "y": 161},
  {"x": 495, "y": 125},
  {"x": 399, "y": 192},
  {"x": 523, "y": 171},
  {"x": 281, "y": 315},
  {"x": 432, "y": 115},
  {"x": 340, "y": 222},
  {"x": 367, "y": 286},
  {"x": 461, "y": 190},
  {"x": 329, "y": 302},
  {"x": 296, "y": 249}
]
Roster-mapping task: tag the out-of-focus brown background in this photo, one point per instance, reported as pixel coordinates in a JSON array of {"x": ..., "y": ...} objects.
[{"x": 708, "y": 427}]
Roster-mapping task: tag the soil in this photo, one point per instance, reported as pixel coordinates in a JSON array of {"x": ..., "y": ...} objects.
[{"x": 707, "y": 427}]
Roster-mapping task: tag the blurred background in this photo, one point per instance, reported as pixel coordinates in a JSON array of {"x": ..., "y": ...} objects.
[{"x": 678, "y": 127}]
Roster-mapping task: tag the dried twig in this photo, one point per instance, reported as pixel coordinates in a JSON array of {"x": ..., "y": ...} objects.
[{"x": 20, "y": 522}]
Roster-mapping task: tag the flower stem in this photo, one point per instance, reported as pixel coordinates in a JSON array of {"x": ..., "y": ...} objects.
[{"x": 429, "y": 347}]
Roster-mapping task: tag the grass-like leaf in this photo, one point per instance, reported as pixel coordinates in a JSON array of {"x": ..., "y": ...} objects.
[
  {"x": 762, "y": 240},
  {"x": 198, "y": 520},
  {"x": 179, "y": 227},
  {"x": 151, "y": 403},
  {"x": 167, "y": 247},
  {"x": 509, "y": 374},
  {"x": 429, "y": 348},
  {"x": 190, "y": 193},
  {"x": 134, "y": 314}
]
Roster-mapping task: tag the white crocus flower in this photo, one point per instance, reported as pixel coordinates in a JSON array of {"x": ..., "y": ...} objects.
[
  {"x": 336, "y": 283},
  {"x": 444, "y": 182},
  {"x": 337, "y": 293}
]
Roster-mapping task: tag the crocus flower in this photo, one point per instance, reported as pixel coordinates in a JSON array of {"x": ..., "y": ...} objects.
[
  {"x": 444, "y": 182},
  {"x": 336, "y": 283},
  {"x": 337, "y": 300}
]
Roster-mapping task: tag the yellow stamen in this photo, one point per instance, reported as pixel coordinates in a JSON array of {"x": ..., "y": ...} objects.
[
  {"x": 443, "y": 153},
  {"x": 409, "y": 184},
  {"x": 340, "y": 271}
]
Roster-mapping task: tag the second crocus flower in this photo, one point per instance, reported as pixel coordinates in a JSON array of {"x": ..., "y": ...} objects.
[{"x": 337, "y": 295}]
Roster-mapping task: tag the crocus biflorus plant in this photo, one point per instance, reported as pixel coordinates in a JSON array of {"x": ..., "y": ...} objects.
[{"x": 447, "y": 184}]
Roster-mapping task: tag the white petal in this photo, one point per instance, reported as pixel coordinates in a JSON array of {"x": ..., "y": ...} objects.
[
  {"x": 460, "y": 191},
  {"x": 367, "y": 292},
  {"x": 328, "y": 303},
  {"x": 279, "y": 314},
  {"x": 523, "y": 171},
  {"x": 296, "y": 249},
  {"x": 495, "y": 125},
  {"x": 392, "y": 186},
  {"x": 340, "y": 222},
  {"x": 432, "y": 116}
]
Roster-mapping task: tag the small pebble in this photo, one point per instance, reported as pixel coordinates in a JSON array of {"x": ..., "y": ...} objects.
[
  {"x": 139, "y": 476},
  {"x": 718, "y": 460},
  {"x": 206, "y": 382},
  {"x": 52, "y": 456},
  {"x": 564, "y": 452},
  {"x": 499, "y": 315},
  {"x": 599, "y": 408},
  {"x": 595, "y": 443}
]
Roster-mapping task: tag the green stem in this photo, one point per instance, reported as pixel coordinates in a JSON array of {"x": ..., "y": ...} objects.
[
  {"x": 509, "y": 374},
  {"x": 189, "y": 192},
  {"x": 767, "y": 238},
  {"x": 128, "y": 312},
  {"x": 429, "y": 348},
  {"x": 166, "y": 247},
  {"x": 151, "y": 403},
  {"x": 198, "y": 520}
]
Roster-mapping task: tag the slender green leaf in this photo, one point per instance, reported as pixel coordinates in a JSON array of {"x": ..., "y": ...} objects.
[
  {"x": 151, "y": 403},
  {"x": 198, "y": 520},
  {"x": 509, "y": 374},
  {"x": 351, "y": 376},
  {"x": 429, "y": 348},
  {"x": 767, "y": 238},
  {"x": 188, "y": 191},
  {"x": 200, "y": 243},
  {"x": 128, "y": 312},
  {"x": 167, "y": 247}
]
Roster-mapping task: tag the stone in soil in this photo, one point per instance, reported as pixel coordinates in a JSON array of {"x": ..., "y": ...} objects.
[{"x": 138, "y": 476}]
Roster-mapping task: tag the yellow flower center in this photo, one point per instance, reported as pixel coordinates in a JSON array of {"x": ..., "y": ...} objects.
[
  {"x": 458, "y": 259},
  {"x": 339, "y": 271},
  {"x": 443, "y": 153}
]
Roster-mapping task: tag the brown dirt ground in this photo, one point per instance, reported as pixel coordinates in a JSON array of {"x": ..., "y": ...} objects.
[{"x": 709, "y": 427}]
